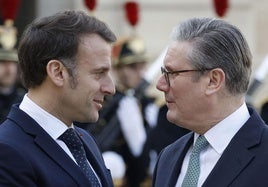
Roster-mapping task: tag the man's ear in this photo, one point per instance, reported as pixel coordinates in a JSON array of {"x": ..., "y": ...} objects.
[
  {"x": 56, "y": 72},
  {"x": 216, "y": 80}
]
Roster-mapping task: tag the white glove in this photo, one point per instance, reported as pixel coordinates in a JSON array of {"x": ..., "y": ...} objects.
[
  {"x": 131, "y": 122},
  {"x": 151, "y": 114},
  {"x": 115, "y": 163}
]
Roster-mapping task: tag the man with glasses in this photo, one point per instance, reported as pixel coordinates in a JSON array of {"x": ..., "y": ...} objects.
[{"x": 205, "y": 78}]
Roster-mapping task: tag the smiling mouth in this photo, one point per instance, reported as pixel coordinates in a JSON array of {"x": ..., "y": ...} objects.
[
  {"x": 99, "y": 103},
  {"x": 168, "y": 101}
]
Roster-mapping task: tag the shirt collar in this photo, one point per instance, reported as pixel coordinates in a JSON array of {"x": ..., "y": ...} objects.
[
  {"x": 222, "y": 133},
  {"x": 52, "y": 125}
]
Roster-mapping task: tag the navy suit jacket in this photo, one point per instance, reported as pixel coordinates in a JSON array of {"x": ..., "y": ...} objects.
[
  {"x": 244, "y": 163},
  {"x": 30, "y": 157}
]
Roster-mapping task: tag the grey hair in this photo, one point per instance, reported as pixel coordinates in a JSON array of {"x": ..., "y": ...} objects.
[{"x": 217, "y": 44}]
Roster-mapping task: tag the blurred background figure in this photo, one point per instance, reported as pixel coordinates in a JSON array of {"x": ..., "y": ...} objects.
[
  {"x": 130, "y": 114},
  {"x": 132, "y": 128},
  {"x": 11, "y": 90}
]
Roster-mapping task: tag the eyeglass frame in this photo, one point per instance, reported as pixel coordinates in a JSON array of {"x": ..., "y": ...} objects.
[{"x": 166, "y": 73}]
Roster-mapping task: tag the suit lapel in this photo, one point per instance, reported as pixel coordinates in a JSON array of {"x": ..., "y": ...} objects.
[
  {"x": 62, "y": 159},
  {"x": 94, "y": 157},
  {"x": 238, "y": 154},
  {"x": 232, "y": 162},
  {"x": 184, "y": 147},
  {"x": 48, "y": 145},
  {"x": 170, "y": 166}
]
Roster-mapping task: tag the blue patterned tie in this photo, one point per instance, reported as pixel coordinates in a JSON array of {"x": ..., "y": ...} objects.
[
  {"x": 75, "y": 145},
  {"x": 193, "y": 170}
]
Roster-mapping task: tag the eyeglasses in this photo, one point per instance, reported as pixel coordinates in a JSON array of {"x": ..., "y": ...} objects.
[{"x": 167, "y": 73}]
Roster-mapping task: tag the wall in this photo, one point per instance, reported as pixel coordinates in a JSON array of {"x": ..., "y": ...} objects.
[{"x": 157, "y": 18}]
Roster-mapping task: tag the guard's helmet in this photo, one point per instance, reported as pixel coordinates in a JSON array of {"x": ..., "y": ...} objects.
[{"x": 128, "y": 51}]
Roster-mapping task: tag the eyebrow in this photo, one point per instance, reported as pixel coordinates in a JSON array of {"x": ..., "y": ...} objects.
[
  {"x": 101, "y": 68},
  {"x": 168, "y": 68}
]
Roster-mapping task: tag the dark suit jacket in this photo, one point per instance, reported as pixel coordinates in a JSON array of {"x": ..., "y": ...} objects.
[
  {"x": 30, "y": 157},
  {"x": 244, "y": 163}
]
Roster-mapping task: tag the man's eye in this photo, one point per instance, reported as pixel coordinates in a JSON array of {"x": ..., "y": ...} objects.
[{"x": 100, "y": 74}]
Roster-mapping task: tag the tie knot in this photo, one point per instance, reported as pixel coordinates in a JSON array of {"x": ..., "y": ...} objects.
[
  {"x": 71, "y": 138},
  {"x": 200, "y": 144}
]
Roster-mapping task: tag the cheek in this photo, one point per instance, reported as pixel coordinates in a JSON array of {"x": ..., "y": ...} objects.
[
  {"x": 3, "y": 72},
  {"x": 130, "y": 78},
  {"x": 135, "y": 81},
  {"x": 84, "y": 89},
  {"x": 185, "y": 97},
  {"x": 2, "y": 68},
  {"x": 14, "y": 71}
]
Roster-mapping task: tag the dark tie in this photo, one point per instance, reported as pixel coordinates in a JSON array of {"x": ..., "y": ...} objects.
[
  {"x": 75, "y": 145},
  {"x": 193, "y": 170}
]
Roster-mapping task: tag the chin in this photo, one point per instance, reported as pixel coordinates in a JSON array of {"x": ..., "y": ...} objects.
[
  {"x": 94, "y": 118},
  {"x": 89, "y": 119},
  {"x": 174, "y": 117},
  {"x": 171, "y": 118}
]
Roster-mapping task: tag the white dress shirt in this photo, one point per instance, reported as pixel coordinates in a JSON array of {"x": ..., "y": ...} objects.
[
  {"x": 53, "y": 126},
  {"x": 218, "y": 137}
]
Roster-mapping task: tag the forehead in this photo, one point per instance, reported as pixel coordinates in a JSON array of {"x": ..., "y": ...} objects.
[
  {"x": 177, "y": 54},
  {"x": 94, "y": 49},
  {"x": 92, "y": 42}
]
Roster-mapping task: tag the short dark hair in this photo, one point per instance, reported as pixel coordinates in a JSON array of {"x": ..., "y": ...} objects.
[{"x": 55, "y": 37}]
